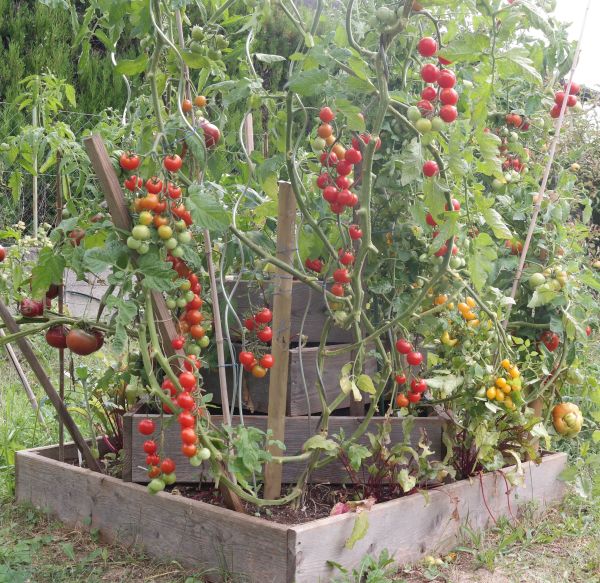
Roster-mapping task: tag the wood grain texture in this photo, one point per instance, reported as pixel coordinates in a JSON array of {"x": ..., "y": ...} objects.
[
  {"x": 411, "y": 527},
  {"x": 297, "y": 431},
  {"x": 165, "y": 525},
  {"x": 250, "y": 294},
  {"x": 199, "y": 534},
  {"x": 280, "y": 344},
  {"x": 297, "y": 404}
]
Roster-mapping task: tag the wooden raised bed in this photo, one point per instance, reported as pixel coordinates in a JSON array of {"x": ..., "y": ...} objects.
[
  {"x": 255, "y": 395},
  {"x": 297, "y": 431},
  {"x": 196, "y": 533}
]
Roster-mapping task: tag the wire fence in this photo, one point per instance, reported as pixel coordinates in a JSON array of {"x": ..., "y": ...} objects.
[{"x": 19, "y": 207}]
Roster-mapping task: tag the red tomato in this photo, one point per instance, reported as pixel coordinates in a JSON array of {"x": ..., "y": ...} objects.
[
  {"x": 448, "y": 96},
  {"x": 267, "y": 361},
  {"x": 195, "y": 304},
  {"x": 187, "y": 380},
  {"x": 430, "y": 73},
  {"x": 265, "y": 335},
  {"x": 326, "y": 115},
  {"x": 353, "y": 156},
  {"x": 425, "y": 106},
  {"x": 153, "y": 472},
  {"x": 551, "y": 340},
  {"x": 133, "y": 183},
  {"x": 82, "y": 342},
  {"x": 189, "y": 450},
  {"x": 154, "y": 185},
  {"x": 188, "y": 435},
  {"x": 455, "y": 205},
  {"x": 355, "y": 232},
  {"x": 418, "y": 386},
  {"x": 264, "y": 316},
  {"x": 174, "y": 191},
  {"x": 250, "y": 324},
  {"x": 414, "y": 397},
  {"x": 193, "y": 317},
  {"x": 328, "y": 159},
  {"x": 341, "y": 276},
  {"x": 401, "y": 379},
  {"x": 414, "y": 358},
  {"x": 167, "y": 385},
  {"x": 172, "y": 163},
  {"x": 212, "y": 134},
  {"x": 343, "y": 167},
  {"x": 337, "y": 289},
  {"x": 186, "y": 419},
  {"x": 129, "y": 161},
  {"x": 427, "y": 47},
  {"x": 178, "y": 342},
  {"x": 246, "y": 358},
  {"x": 146, "y": 426},
  {"x": 167, "y": 466},
  {"x": 152, "y": 460},
  {"x": 403, "y": 346},
  {"x": 447, "y": 79},
  {"x": 150, "y": 447},
  {"x": 430, "y": 168},
  {"x": 186, "y": 401},
  {"x": 401, "y": 400},
  {"x": 57, "y": 336},
  {"x": 330, "y": 194},
  {"x": 429, "y": 93},
  {"x": 430, "y": 220},
  {"x": 448, "y": 113},
  {"x": 192, "y": 362},
  {"x": 323, "y": 180}
]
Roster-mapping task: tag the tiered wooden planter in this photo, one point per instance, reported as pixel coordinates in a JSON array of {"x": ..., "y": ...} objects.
[
  {"x": 302, "y": 397},
  {"x": 297, "y": 431},
  {"x": 196, "y": 533}
]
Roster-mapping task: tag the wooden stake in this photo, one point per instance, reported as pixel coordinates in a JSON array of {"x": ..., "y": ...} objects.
[
  {"x": 117, "y": 206},
  {"x": 40, "y": 373},
  {"x": 280, "y": 347},
  {"x": 61, "y": 293}
]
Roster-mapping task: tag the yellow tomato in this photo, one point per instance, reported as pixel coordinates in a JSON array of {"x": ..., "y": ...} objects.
[
  {"x": 471, "y": 302},
  {"x": 473, "y": 323},
  {"x": 145, "y": 218},
  {"x": 501, "y": 382},
  {"x": 499, "y": 396},
  {"x": 462, "y": 307},
  {"x": 491, "y": 393},
  {"x": 513, "y": 371},
  {"x": 506, "y": 364},
  {"x": 469, "y": 316}
]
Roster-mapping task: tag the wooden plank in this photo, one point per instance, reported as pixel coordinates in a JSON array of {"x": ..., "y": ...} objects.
[
  {"x": 117, "y": 206},
  {"x": 297, "y": 431},
  {"x": 280, "y": 345},
  {"x": 165, "y": 525},
  {"x": 250, "y": 294},
  {"x": 413, "y": 526},
  {"x": 44, "y": 380}
]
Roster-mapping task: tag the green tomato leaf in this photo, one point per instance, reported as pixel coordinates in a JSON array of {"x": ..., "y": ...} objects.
[
  {"x": 48, "y": 270},
  {"x": 157, "y": 274},
  {"x": 365, "y": 384},
  {"x": 308, "y": 82},
  {"x": 131, "y": 67},
  {"x": 207, "y": 212},
  {"x": 320, "y": 442},
  {"x": 496, "y": 223}
]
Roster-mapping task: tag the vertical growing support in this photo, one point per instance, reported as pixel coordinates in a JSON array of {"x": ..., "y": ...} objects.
[
  {"x": 280, "y": 348},
  {"x": 61, "y": 296},
  {"x": 34, "y": 176}
]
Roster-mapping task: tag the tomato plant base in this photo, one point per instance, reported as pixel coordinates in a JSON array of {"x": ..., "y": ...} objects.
[
  {"x": 297, "y": 432},
  {"x": 196, "y": 533}
]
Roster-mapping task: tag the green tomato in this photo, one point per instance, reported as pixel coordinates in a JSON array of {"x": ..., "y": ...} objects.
[
  {"x": 204, "y": 342},
  {"x": 189, "y": 296},
  {"x": 184, "y": 237},
  {"x": 413, "y": 113},
  {"x": 171, "y": 303},
  {"x": 181, "y": 302},
  {"x": 385, "y": 15},
  {"x": 180, "y": 225},
  {"x": 497, "y": 185},
  {"x": 197, "y": 33},
  {"x": 196, "y": 461},
  {"x": 437, "y": 124},
  {"x": 144, "y": 248},
  {"x": 141, "y": 233},
  {"x": 185, "y": 285},
  {"x": 574, "y": 376},
  {"x": 455, "y": 262},
  {"x": 536, "y": 280},
  {"x": 204, "y": 453},
  {"x": 513, "y": 137},
  {"x": 423, "y": 125},
  {"x": 318, "y": 145},
  {"x": 481, "y": 393},
  {"x": 156, "y": 485},
  {"x": 171, "y": 243},
  {"x": 133, "y": 243},
  {"x": 178, "y": 252},
  {"x": 169, "y": 479},
  {"x": 192, "y": 349}
]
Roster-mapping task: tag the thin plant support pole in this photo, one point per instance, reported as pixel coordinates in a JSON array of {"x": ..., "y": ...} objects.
[
  {"x": 280, "y": 347},
  {"x": 34, "y": 177},
  {"x": 210, "y": 266},
  {"x": 61, "y": 291},
  {"x": 549, "y": 162},
  {"x": 40, "y": 373},
  {"x": 28, "y": 390}
]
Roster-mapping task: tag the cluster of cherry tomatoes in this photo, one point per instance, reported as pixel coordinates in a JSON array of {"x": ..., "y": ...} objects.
[
  {"x": 258, "y": 362},
  {"x": 150, "y": 202},
  {"x": 337, "y": 163},
  {"x": 345, "y": 256},
  {"x": 417, "y": 385},
  {"x": 560, "y": 96},
  {"x": 433, "y": 224},
  {"x": 550, "y": 339},
  {"x": 503, "y": 387}
]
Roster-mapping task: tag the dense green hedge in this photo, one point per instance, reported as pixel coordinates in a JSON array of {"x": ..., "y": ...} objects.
[{"x": 35, "y": 39}]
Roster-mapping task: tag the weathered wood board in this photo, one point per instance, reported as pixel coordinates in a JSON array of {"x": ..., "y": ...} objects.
[
  {"x": 206, "y": 536},
  {"x": 250, "y": 295},
  {"x": 300, "y": 401},
  {"x": 297, "y": 431}
]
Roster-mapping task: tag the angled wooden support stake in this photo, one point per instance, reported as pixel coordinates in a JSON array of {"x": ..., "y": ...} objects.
[
  {"x": 40, "y": 373},
  {"x": 280, "y": 348},
  {"x": 117, "y": 207}
]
